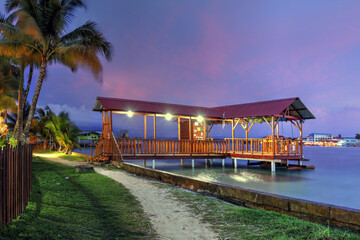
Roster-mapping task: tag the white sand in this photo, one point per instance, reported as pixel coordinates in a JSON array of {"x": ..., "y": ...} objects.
[{"x": 170, "y": 218}]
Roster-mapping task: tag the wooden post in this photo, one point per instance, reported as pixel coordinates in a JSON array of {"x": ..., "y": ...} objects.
[
  {"x": 273, "y": 134},
  {"x": 277, "y": 130},
  {"x": 232, "y": 135},
  {"x": 111, "y": 122},
  {"x": 190, "y": 133},
  {"x": 179, "y": 128},
  {"x": 204, "y": 130},
  {"x": 301, "y": 138},
  {"x": 207, "y": 132},
  {"x": 144, "y": 126},
  {"x": 246, "y": 136},
  {"x": 154, "y": 126}
]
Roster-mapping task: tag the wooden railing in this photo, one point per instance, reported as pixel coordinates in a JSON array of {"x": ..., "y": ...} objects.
[
  {"x": 265, "y": 146},
  {"x": 171, "y": 146},
  {"x": 106, "y": 147},
  {"x": 174, "y": 146},
  {"x": 15, "y": 181}
]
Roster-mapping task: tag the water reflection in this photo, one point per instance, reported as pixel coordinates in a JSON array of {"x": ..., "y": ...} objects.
[{"x": 334, "y": 180}]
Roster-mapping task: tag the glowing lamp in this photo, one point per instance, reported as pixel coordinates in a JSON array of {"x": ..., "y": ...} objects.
[
  {"x": 168, "y": 116},
  {"x": 130, "y": 113},
  {"x": 200, "y": 119}
]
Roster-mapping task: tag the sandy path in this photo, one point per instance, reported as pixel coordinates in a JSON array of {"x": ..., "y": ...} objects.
[{"x": 171, "y": 219}]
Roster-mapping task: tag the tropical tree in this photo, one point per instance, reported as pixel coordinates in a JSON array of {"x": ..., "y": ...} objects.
[
  {"x": 8, "y": 85},
  {"x": 43, "y": 117},
  {"x": 23, "y": 56},
  {"x": 42, "y": 24},
  {"x": 65, "y": 131}
]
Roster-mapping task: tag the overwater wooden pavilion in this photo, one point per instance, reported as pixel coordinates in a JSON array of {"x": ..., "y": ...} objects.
[{"x": 194, "y": 127}]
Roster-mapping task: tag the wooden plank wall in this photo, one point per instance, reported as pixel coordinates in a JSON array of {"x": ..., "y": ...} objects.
[{"x": 15, "y": 181}]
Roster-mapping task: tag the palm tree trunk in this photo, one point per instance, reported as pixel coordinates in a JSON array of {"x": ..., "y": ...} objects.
[
  {"x": 35, "y": 97},
  {"x": 20, "y": 112}
]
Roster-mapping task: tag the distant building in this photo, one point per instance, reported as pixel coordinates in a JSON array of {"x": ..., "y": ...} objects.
[
  {"x": 88, "y": 138},
  {"x": 320, "y": 137},
  {"x": 348, "y": 142}
]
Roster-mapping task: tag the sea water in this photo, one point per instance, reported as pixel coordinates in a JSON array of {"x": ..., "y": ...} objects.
[{"x": 335, "y": 179}]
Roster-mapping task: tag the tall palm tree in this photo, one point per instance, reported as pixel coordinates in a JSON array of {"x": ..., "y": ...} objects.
[
  {"x": 22, "y": 56},
  {"x": 43, "y": 23}
]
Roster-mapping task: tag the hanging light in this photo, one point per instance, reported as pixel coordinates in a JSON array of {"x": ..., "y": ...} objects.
[
  {"x": 168, "y": 116},
  {"x": 200, "y": 119},
  {"x": 130, "y": 113}
]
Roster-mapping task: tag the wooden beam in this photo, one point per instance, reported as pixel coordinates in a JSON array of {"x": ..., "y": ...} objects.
[
  {"x": 190, "y": 133},
  {"x": 144, "y": 126},
  {"x": 244, "y": 127},
  {"x": 237, "y": 122},
  {"x": 232, "y": 135},
  {"x": 301, "y": 138},
  {"x": 154, "y": 126},
  {"x": 252, "y": 124},
  {"x": 296, "y": 125},
  {"x": 204, "y": 130},
  {"x": 267, "y": 122},
  {"x": 273, "y": 134},
  {"x": 111, "y": 122},
  {"x": 179, "y": 130}
]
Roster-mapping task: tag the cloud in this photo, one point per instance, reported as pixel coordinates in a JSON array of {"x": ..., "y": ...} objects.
[{"x": 84, "y": 117}]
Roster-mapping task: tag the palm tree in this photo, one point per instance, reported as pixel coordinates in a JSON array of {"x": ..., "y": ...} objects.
[
  {"x": 8, "y": 83},
  {"x": 65, "y": 131},
  {"x": 22, "y": 56},
  {"x": 44, "y": 116},
  {"x": 43, "y": 23}
]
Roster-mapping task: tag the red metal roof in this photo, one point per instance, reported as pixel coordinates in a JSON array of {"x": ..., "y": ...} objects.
[
  {"x": 116, "y": 104},
  {"x": 256, "y": 109},
  {"x": 293, "y": 107}
]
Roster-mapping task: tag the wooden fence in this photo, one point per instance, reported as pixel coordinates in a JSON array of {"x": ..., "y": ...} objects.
[{"x": 15, "y": 181}]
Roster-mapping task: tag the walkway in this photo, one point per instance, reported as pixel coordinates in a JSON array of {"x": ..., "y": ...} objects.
[{"x": 170, "y": 218}]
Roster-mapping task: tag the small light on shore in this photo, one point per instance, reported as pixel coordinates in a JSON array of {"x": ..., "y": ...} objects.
[
  {"x": 168, "y": 116},
  {"x": 200, "y": 119},
  {"x": 130, "y": 113}
]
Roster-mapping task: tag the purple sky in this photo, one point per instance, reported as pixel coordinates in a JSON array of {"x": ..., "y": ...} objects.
[{"x": 213, "y": 53}]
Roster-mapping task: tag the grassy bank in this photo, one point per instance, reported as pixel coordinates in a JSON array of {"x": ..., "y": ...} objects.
[
  {"x": 234, "y": 222},
  {"x": 84, "y": 206}
]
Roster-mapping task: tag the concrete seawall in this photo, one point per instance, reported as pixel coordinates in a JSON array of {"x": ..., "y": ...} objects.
[{"x": 302, "y": 209}]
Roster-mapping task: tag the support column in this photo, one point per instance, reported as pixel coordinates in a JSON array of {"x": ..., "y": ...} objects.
[
  {"x": 111, "y": 122},
  {"x": 179, "y": 128},
  {"x": 223, "y": 162},
  {"x": 153, "y": 163},
  {"x": 235, "y": 163},
  {"x": 190, "y": 133},
  {"x": 273, "y": 169},
  {"x": 192, "y": 163},
  {"x": 273, "y": 134},
  {"x": 144, "y": 163},
  {"x": 182, "y": 162},
  {"x": 301, "y": 138},
  {"x": 204, "y": 130},
  {"x": 144, "y": 126},
  {"x": 154, "y": 126},
  {"x": 277, "y": 130},
  {"x": 232, "y": 135},
  {"x": 246, "y": 136}
]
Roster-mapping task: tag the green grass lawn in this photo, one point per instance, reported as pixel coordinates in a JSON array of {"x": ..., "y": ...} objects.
[
  {"x": 86, "y": 206},
  {"x": 234, "y": 222}
]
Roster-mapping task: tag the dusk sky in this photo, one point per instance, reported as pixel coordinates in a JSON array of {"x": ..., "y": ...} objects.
[{"x": 212, "y": 53}]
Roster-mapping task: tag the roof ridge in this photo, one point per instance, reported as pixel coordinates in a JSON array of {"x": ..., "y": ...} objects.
[{"x": 266, "y": 101}]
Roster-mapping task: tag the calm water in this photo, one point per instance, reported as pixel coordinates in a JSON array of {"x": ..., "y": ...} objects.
[{"x": 335, "y": 179}]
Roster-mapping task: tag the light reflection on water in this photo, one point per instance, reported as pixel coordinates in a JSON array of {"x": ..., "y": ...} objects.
[{"x": 335, "y": 179}]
